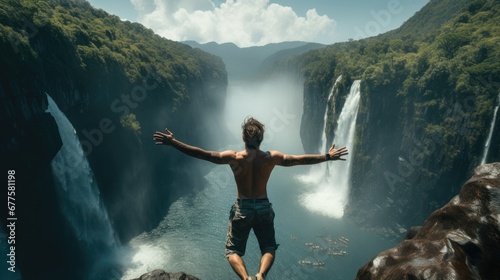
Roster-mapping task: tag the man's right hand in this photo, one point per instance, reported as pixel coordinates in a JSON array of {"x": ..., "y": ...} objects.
[{"x": 161, "y": 138}]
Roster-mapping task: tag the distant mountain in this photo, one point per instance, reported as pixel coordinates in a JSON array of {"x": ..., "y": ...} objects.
[{"x": 244, "y": 63}]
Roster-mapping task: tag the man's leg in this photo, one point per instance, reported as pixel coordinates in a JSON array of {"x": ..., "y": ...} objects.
[
  {"x": 238, "y": 266},
  {"x": 264, "y": 231},
  {"x": 266, "y": 262},
  {"x": 237, "y": 235}
]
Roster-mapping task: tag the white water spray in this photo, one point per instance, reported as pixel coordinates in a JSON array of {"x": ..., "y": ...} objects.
[
  {"x": 490, "y": 134},
  {"x": 332, "y": 191},
  {"x": 78, "y": 192}
]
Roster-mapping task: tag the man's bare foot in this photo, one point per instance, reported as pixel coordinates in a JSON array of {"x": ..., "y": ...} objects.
[{"x": 259, "y": 276}]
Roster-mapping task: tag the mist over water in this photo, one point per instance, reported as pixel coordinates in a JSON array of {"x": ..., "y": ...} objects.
[
  {"x": 330, "y": 185},
  {"x": 277, "y": 103}
]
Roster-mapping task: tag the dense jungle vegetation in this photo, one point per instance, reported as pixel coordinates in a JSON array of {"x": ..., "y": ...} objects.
[
  {"x": 94, "y": 42},
  {"x": 424, "y": 60}
]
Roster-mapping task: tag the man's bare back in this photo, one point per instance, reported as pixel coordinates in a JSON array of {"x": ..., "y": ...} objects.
[{"x": 252, "y": 169}]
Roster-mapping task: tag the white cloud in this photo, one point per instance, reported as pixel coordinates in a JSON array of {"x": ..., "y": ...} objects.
[{"x": 243, "y": 22}]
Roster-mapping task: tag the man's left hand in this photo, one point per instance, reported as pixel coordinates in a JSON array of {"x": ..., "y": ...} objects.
[{"x": 337, "y": 154}]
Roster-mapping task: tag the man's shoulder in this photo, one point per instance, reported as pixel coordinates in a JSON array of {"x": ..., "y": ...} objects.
[
  {"x": 259, "y": 153},
  {"x": 269, "y": 153},
  {"x": 275, "y": 156},
  {"x": 275, "y": 153}
]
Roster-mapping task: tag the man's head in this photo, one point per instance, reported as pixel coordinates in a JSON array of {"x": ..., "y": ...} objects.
[{"x": 253, "y": 132}]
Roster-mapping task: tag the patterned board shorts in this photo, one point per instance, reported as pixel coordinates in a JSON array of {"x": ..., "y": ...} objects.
[{"x": 246, "y": 214}]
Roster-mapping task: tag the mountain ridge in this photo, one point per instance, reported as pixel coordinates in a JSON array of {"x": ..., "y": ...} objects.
[{"x": 246, "y": 63}]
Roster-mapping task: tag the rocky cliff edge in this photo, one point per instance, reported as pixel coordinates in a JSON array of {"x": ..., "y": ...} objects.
[
  {"x": 159, "y": 274},
  {"x": 461, "y": 240}
]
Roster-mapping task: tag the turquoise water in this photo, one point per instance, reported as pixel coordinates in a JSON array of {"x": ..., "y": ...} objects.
[{"x": 191, "y": 237}]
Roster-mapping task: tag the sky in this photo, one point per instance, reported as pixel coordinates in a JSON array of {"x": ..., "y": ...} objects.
[{"x": 259, "y": 22}]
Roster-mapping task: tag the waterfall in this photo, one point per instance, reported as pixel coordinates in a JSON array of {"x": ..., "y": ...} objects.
[
  {"x": 323, "y": 147},
  {"x": 317, "y": 172},
  {"x": 78, "y": 192},
  {"x": 332, "y": 191},
  {"x": 490, "y": 134}
]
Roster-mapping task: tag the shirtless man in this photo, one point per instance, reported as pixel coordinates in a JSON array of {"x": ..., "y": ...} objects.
[{"x": 252, "y": 209}]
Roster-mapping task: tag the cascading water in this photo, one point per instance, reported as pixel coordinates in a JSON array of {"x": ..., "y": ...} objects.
[
  {"x": 323, "y": 146},
  {"x": 317, "y": 172},
  {"x": 78, "y": 192},
  {"x": 490, "y": 134},
  {"x": 331, "y": 194}
]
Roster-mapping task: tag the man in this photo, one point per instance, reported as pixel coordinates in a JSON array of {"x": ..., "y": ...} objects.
[{"x": 251, "y": 169}]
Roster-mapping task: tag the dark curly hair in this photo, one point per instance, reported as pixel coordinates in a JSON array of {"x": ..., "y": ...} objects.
[{"x": 253, "y": 132}]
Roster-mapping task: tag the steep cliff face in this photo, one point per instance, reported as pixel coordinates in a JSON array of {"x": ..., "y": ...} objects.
[
  {"x": 316, "y": 104},
  {"x": 117, "y": 83},
  {"x": 311, "y": 122},
  {"x": 461, "y": 240}
]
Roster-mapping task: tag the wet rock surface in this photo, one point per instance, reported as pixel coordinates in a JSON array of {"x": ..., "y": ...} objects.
[
  {"x": 162, "y": 275},
  {"x": 461, "y": 240}
]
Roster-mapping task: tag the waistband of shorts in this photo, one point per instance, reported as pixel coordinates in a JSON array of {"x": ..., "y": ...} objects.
[
  {"x": 252, "y": 199},
  {"x": 252, "y": 202}
]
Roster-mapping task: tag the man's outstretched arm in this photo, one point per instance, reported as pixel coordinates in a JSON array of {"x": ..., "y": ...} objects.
[
  {"x": 291, "y": 160},
  {"x": 168, "y": 139}
]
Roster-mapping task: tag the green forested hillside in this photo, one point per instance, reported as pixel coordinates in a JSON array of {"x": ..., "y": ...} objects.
[
  {"x": 410, "y": 51},
  {"x": 430, "y": 18},
  {"x": 92, "y": 41},
  {"x": 428, "y": 94}
]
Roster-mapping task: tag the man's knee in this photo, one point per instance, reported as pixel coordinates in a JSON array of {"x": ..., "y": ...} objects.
[
  {"x": 234, "y": 257},
  {"x": 269, "y": 254},
  {"x": 269, "y": 250}
]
